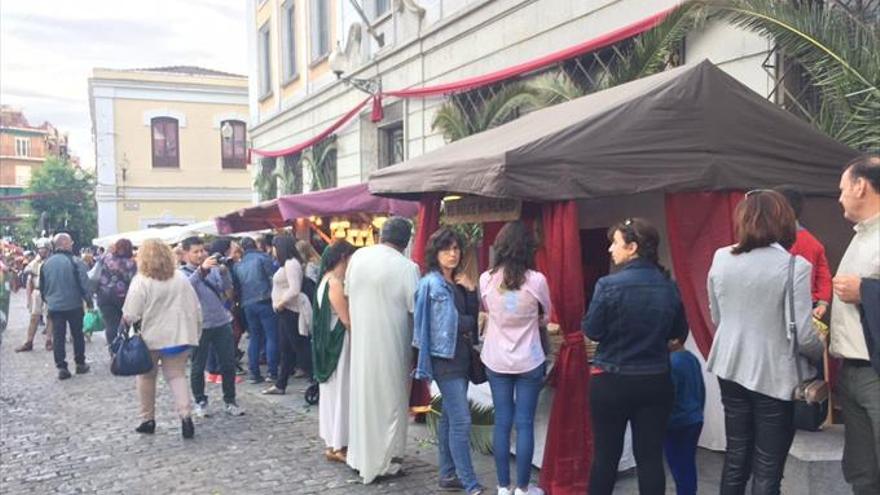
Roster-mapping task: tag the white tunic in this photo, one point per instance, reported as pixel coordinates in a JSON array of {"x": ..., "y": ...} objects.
[
  {"x": 333, "y": 406},
  {"x": 381, "y": 285}
]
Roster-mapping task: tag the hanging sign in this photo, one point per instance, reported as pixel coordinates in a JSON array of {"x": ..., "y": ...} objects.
[{"x": 474, "y": 209}]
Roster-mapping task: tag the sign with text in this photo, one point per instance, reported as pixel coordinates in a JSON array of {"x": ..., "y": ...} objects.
[{"x": 474, "y": 209}]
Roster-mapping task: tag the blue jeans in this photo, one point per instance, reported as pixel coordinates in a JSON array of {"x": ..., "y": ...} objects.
[
  {"x": 261, "y": 322},
  {"x": 680, "y": 447},
  {"x": 521, "y": 413},
  {"x": 454, "y": 433}
]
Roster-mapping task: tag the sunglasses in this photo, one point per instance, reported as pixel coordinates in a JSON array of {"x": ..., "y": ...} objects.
[{"x": 757, "y": 191}]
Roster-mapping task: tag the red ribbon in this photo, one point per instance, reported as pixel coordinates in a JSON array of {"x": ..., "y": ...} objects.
[{"x": 478, "y": 81}]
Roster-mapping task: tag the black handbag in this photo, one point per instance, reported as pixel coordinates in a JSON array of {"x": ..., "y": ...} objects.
[
  {"x": 477, "y": 370},
  {"x": 811, "y": 395},
  {"x": 130, "y": 354}
]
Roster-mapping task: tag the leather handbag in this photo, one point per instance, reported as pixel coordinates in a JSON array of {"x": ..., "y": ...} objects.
[
  {"x": 130, "y": 354},
  {"x": 476, "y": 370},
  {"x": 811, "y": 395}
]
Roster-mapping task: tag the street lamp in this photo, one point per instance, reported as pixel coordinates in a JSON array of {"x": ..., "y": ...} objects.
[
  {"x": 226, "y": 131},
  {"x": 339, "y": 63}
]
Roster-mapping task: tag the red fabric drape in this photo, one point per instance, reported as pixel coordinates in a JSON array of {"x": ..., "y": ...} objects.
[
  {"x": 429, "y": 222},
  {"x": 698, "y": 223},
  {"x": 376, "y": 114},
  {"x": 567, "y": 453},
  {"x": 323, "y": 134}
]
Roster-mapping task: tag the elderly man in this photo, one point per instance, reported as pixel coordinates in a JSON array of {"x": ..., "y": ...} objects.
[
  {"x": 35, "y": 301},
  {"x": 63, "y": 285},
  {"x": 381, "y": 284},
  {"x": 851, "y": 338}
]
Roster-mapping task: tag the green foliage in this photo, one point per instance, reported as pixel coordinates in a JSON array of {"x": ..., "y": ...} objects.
[
  {"x": 68, "y": 201},
  {"x": 839, "y": 51},
  {"x": 482, "y": 421},
  {"x": 507, "y": 104},
  {"x": 652, "y": 51},
  {"x": 264, "y": 181},
  {"x": 320, "y": 159}
]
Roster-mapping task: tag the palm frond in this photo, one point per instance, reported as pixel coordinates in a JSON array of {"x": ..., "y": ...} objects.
[
  {"x": 555, "y": 87},
  {"x": 482, "y": 422},
  {"x": 651, "y": 52},
  {"x": 840, "y": 54},
  {"x": 451, "y": 122},
  {"x": 507, "y": 104}
]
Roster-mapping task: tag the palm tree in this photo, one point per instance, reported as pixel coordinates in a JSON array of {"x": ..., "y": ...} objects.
[
  {"x": 507, "y": 104},
  {"x": 320, "y": 160},
  {"x": 264, "y": 180},
  {"x": 837, "y": 47}
]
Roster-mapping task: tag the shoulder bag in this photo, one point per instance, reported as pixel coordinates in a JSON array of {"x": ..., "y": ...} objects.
[
  {"x": 811, "y": 395},
  {"x": 130, "y": 354}
]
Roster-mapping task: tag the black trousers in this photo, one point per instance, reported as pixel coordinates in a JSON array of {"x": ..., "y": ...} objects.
[
  {"x": 112, "y": 315},
  {"x": 644, "y": 401},
  {"x": 294, "y": 349},
  {"x": 60, "y": 321},
  {"x": 759, "y": 431},
  {"x": 219, "y": 340}
]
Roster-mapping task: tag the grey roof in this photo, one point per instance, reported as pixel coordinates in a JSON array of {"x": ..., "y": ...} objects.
[{"x": 188, "y": 69}]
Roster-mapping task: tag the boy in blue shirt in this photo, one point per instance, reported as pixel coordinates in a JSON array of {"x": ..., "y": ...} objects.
[{"x": 686, "y": 420}]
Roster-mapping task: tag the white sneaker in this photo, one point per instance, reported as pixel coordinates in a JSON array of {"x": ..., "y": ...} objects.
[
  {"x": 503, "y": 490},
  {"x": 533, "y": 490},
  {"x": 233, "y": 410},
  {"x": 200, "y": 410}
]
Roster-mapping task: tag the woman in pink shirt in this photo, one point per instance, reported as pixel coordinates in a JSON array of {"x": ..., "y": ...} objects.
[{"x": 517, "y": 299}]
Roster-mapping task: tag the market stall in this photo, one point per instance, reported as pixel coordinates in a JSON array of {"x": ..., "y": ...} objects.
[
  {"x": 346, "y": 204},
  {"x": 678, "y": 148},
  {"x": 169, "y": 235}
]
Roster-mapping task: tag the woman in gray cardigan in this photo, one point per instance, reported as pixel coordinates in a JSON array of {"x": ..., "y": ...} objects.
[{"x": 752, "y": 353}]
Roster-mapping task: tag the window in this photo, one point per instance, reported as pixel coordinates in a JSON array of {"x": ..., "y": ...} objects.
[
  {"x": 319, "y": 29},
  {"x": 234, "y": 146},
  {"x": 22, "y": 146},
  {"x": 391, "y": 144},
  {"x": 381, "y": 7},
  {"x": 165, "y": 144},
  {"x": 265, "y": 62},
  {"x": 288, "y": 53}
]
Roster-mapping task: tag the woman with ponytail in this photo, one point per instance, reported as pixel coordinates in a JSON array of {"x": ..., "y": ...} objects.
[{"x": 634, "y": 314}]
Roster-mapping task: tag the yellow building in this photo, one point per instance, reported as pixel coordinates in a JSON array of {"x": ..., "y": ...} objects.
[{"x": 170, "y": 146}]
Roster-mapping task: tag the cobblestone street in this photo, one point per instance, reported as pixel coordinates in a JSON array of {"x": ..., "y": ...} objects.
[{"x": 77, "y": 436}]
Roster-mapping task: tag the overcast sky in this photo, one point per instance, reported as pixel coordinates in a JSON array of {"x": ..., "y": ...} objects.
[{"x": 48, "y": 49}]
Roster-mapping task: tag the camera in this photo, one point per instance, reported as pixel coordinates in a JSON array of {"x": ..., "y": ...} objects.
[{"x": 222, "y": 260}]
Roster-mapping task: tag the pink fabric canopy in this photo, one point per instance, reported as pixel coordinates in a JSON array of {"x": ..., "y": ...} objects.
[{"x": 327, "y": 203}]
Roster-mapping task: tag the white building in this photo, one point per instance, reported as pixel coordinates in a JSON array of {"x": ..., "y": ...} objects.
[{"x": 294, "y": 95}]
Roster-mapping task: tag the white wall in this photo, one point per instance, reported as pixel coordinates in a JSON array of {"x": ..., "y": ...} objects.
[{"x": 456, "y": 39}]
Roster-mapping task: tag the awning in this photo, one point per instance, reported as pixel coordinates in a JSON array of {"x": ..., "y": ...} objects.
[
  {"x": 168, "y": 235},
  {"x": 327, "y": 203},
  {"x": 693, "y": 128}
]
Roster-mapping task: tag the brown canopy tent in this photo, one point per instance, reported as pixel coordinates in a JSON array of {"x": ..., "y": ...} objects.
[
  {"x": 678, "y": 147},
  {"x": 693, "y": 128}
]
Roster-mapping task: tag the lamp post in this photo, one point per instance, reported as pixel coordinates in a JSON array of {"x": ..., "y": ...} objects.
[{"x": 339, "y": 64}]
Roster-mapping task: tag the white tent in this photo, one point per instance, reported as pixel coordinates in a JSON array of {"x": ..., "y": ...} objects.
[{"x": 169, "y": 235}]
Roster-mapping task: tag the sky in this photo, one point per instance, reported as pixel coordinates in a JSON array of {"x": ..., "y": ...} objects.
[{"x": 48, "y": 49}]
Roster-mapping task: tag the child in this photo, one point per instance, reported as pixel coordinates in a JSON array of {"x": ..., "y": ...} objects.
[{"x": 686, "y": 420}]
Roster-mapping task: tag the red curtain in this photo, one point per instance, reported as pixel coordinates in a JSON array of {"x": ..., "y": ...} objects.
[
  {"x": 568, "y": 451},
  {"x": 429, "y": 222},
  {"x": 698, "y": 223}
]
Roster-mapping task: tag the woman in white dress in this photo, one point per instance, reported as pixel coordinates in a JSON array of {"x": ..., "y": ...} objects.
[{"x": 331, "y": 350}]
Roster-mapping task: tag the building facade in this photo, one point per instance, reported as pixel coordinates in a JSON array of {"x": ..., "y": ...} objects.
[
  {"x": 24, "y": 148},
  {"x": 402, "y": 44},
  {"x": 170, "y": 146}
]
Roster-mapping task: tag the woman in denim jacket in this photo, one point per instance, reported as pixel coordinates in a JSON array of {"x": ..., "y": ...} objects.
[
  {"x": 445, "y": 320},
  {"x": 634, "y": 313}
]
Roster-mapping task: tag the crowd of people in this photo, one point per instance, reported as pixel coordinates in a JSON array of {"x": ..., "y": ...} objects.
[{"x": 349, "y": 319}]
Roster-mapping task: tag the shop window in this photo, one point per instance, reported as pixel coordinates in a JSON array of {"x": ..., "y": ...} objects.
[{"x": 391, "y": 144}]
